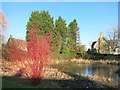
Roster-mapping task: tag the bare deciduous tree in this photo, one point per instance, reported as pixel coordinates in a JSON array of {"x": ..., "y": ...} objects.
[{"x": 112, "y": 37}]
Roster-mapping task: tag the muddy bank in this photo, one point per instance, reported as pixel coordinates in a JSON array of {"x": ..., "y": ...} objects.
[
  {"x": 102, "y": 80},
  {"x": 58, "y": 79},
  {"x": 72, "y": 80}
]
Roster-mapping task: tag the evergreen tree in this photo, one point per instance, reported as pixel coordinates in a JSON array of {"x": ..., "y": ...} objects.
[
  {"x": 72, "y": 29},
  {"x": 60, "y": 33},
  {"x": 44, "y": 22},
  {"x": 63, "y": 38},
  {"x": 33, "y": 20},
  {"x": 47, "y": 23}
]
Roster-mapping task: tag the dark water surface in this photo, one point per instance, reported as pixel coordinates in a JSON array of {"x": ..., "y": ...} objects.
[{"x": 102, "y": 70}]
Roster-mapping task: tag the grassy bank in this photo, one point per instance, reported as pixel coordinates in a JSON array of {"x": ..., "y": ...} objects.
[
  {"x": 64, "y": 65},
  {"x": 86, "y": 61}
]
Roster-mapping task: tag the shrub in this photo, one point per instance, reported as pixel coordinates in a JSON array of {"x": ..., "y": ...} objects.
[
  {"x": 35, "y": 60},
  {"x": 68, "y": 54},
  {"x": 82, "y": 54}
]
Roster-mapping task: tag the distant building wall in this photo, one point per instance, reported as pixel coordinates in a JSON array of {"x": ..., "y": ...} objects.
[{"x": 101, "y": 45}]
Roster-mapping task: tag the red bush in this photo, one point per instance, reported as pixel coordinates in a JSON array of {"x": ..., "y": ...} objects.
[{"x": 34, "y": 61}]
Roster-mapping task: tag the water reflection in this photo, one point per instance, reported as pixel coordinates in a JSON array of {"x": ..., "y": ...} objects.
[
  {"x": 102, "y": 70},
  {"x": 88, "y": 70}
]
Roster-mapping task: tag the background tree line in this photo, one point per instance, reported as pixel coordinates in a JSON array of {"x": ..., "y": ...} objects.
[{"x": 63, "y": 37}]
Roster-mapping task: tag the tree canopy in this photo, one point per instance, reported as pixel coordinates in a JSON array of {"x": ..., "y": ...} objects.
[{"x": 63, "y": 37}]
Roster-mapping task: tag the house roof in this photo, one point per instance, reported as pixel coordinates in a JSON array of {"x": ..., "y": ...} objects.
[
  {"x": 20, "y": 43},
  {"x": 92, "y": 46}
]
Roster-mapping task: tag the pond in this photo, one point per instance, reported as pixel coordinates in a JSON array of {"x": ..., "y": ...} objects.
[{"x": 101, "y": 70}]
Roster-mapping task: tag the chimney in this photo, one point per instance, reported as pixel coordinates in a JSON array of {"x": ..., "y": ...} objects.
[
  {"x": 101, "y": 34},
  {"x": 9, "y": 40},
  {"x": 10, "y": 36}
]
